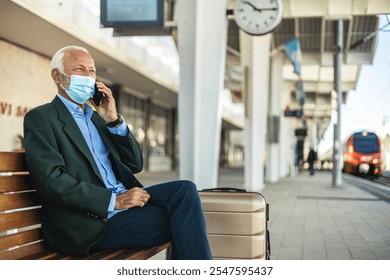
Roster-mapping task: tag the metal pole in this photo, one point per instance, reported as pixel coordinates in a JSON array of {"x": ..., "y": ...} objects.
[{"x": 337, "y": 61}]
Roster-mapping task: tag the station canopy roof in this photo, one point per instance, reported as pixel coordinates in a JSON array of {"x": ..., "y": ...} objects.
[{"x": 312, "y": 22}]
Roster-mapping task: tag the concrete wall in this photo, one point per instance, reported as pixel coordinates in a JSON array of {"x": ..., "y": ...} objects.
[{"x": 25, "y": 83}]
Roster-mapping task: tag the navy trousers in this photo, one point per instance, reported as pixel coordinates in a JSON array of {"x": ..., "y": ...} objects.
[{"x": 173, "y": 213}]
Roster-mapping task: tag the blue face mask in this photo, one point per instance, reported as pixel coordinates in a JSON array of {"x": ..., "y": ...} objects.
[{"x": 81, "y": 88}]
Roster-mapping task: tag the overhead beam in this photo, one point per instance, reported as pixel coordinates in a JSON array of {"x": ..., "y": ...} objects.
[{"x": 334, "y": 8}]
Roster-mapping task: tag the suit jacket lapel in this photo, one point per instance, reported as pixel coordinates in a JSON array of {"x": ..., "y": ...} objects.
[{"x": 73, "y": 132}]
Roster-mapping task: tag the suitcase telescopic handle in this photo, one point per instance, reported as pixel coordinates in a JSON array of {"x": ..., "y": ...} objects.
[{"x": 223, "y": 190}]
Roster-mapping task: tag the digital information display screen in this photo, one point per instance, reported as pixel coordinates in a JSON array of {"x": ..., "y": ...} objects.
[
  {"x": 132, "y": 13},
  {"x": 132, "y": 10}
]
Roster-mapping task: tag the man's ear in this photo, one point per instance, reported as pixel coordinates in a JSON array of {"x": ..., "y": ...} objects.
[{"x": 56, "y": 75}]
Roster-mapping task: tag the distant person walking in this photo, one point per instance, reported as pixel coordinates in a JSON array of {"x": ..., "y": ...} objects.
[{"x": 311, "y": 158}]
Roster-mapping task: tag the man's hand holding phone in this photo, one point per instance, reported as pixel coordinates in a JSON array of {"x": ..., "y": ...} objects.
[{"x": 104, "y": 103}]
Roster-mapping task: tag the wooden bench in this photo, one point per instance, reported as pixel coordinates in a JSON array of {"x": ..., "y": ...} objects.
[{"x": 20, "y": 228}]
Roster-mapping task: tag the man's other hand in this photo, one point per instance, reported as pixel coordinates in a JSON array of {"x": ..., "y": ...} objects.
[{"x": 132, "y": 198}]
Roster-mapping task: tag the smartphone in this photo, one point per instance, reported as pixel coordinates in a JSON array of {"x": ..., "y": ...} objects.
[{"x": 97, "y": 97}]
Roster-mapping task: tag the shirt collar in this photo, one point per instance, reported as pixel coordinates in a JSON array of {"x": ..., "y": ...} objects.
[{"x": 75, "y": 109}]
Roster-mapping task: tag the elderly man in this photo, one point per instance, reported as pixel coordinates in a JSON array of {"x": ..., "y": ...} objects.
[{"x": 83, "y": 163}]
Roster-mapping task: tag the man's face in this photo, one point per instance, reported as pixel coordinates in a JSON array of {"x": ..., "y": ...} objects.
[{"x": 77, "y": 63}]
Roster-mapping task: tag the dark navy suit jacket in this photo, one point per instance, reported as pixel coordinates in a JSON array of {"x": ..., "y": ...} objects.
[{"x": 74, "y": 197}]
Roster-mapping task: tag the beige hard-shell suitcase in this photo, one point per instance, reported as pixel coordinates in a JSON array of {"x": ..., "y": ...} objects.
[{"x": 237, "y": 223}]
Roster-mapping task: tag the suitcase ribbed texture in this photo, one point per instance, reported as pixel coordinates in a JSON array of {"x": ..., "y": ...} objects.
[{"x": 236, "y": 224}]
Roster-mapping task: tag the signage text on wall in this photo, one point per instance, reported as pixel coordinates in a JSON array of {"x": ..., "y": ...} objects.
[{"x": 9, "y": 109}]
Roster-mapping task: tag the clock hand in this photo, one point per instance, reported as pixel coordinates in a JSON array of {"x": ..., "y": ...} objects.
[
  {"x": 257, "y": 9},
  {"x": 250, "y": 4},
  {"x": 267, "y": 9}
]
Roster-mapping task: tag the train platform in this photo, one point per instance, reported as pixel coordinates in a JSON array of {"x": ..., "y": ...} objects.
[{"x": 312, "y": 220}]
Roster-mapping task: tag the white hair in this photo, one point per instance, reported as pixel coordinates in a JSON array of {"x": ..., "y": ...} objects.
[{"x": 57, "y": 62}]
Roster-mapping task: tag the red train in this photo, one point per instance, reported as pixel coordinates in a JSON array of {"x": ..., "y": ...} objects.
[{"x": 363, "y": 154}]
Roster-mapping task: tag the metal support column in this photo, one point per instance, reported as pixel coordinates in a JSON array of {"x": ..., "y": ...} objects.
[{"x": 337, "y": 60}]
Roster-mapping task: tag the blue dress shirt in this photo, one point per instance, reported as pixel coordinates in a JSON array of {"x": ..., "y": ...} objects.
[{"x": 98, "y": 149}]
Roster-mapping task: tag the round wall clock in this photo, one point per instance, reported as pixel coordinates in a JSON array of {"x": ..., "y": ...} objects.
[{"x": 258, "y": 17}]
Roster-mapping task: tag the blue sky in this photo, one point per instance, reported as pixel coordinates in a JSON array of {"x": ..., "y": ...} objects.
[{"x": 367, "y": 105}]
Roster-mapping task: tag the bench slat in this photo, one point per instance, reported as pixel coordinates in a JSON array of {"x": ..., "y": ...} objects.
[
  {"x": 12, "y": 162},
  {"x": 43, "y": 254},
  {"x": 60, "y": 256},
  {"x": 18, "y": 200},
  {"x": 19, "y": 219},
  {"x": 105, "y": 255},
  {"x": 35, "y": 251},
  {"x": 137, "y": 254},
  {"x": 23, "y": 252},
  {"x": 129, "y": 254},
  {"x": 15, "y": 183},
  {"x": 17, "y": 239}
]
